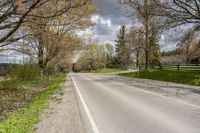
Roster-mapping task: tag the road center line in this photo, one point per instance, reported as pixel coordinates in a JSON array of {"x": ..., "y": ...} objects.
[{"x": 91, "y": 120}]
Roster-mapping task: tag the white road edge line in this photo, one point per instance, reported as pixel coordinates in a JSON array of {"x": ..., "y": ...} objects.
[{"x": 91, "y": 120}]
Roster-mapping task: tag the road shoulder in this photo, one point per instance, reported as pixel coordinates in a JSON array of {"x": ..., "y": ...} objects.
[{"x": 63, "y": 114}]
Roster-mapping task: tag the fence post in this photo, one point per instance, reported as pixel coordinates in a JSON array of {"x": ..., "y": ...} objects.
[
  {"x": 178, "y": 67},
  {"x": 160, "y": 66}
]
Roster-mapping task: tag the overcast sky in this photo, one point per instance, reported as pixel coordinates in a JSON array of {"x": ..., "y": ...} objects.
[{"x": 108, "y": 20}]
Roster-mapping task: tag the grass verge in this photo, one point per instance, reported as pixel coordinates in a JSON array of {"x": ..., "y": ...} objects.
[
  {"x": 183, "y": 77},
  {"x": 24, "y": 119},
  {"x": 108, "y": 70}
]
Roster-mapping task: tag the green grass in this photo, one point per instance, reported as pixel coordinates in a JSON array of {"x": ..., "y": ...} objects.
[
  {"x": 108, "y": 70},
  {"x": 30, "y": 83},
  {"x": 23, "y": 120},
  {"x": 183, "y": 77}
]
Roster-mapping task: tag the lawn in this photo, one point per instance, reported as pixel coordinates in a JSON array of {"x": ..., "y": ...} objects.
[
  {"x": 25, "y": 117},
  {"x": 183, "y": 77},
  {"x": 108, "y": 70}
]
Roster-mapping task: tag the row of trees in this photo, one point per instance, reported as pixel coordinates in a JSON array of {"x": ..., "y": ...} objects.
[
  {"x": 45, "y": 30},
  {"x": 95, "y": 56},
  {"x": 155, "y": 17},
  {"x": 131, "y": 48},
  {"x": 141, "y": 42}
]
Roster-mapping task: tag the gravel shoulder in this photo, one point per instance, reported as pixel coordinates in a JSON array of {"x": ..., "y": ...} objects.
[{"x": 63, "y": 115}]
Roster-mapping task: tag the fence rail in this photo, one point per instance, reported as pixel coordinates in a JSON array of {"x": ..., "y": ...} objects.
[{"x": 179, "y": 67}]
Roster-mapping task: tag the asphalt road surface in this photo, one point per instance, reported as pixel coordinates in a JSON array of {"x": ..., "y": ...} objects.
[{"x": 125, "y": 105}]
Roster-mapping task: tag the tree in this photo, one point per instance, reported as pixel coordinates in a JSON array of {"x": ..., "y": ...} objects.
[
  {"x": 154, "y": 48},
  {"x": 143, "y": 10},
  {"x": 15, "y": 13},
  {"x": 185, "y": 44},
  {"x": 195, "y": 51},
  {"x": 135, "y": 39},
  {"x": 179, "y": 13},
  {"x": 93, "y": 57},
  {"x": 48, "y": 34},
  {"x": 121, "y": 50},
  {"x": 109, "y": 54}
]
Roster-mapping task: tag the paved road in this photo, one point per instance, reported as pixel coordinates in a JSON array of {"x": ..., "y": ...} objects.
[{"x": 124, "y": 105}]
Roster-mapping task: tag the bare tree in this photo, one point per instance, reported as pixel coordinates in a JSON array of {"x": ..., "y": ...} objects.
[
  {"x": 15, "y": 13},
  {"x": 93, "y": 57},
  {"x": 181, "y": 11},
  {"x": 135, "y": 40},
  {"x": 143, "y": 11},
  {"x": 48, "y": 33},
  {"x": 109, "y": 54}
]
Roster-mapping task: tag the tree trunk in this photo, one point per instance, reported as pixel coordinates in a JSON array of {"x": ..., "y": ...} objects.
[
  {"x": 146, "y": 34},
  {"x": 187, "y": 60},
  {"x": 146, "y": 59},
  {"x": 187, "y": 56},
  {"x": 42, "y": 73},
  {"x": 41, "y": 57},
  {"x": 137, "y": 60}
]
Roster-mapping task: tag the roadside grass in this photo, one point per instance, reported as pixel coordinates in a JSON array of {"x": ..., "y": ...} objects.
[
  {"x": 31, "y": 83},
  {"x": 183, "y": 77},
  {"x": 17, "y": 93},
  {"x": 108, "y": 70},
  {"x": 24, "y": 119}
]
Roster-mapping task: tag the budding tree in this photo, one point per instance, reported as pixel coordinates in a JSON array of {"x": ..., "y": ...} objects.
[{"x": 49, "y": 33}]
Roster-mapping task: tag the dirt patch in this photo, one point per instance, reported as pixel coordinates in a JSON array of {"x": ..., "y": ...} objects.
[
  {"x": 63, "y": 115},
  {"x": 13, "y": 99}
]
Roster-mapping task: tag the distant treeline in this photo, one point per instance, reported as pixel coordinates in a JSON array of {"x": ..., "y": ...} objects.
[{"x": 6, "y": 68}]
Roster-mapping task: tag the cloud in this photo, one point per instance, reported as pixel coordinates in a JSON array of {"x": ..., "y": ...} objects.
[
  {"x": 108, "y": 20},
  {"x": 112, "y": 9}
]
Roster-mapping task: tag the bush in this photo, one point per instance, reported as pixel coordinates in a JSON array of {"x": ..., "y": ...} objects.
[
  {"x": 5, "y": 69},
  {"x": 25, "y": 72},
  {"x": 196, "y": 82},
  {"x": 8, "y": 83}
]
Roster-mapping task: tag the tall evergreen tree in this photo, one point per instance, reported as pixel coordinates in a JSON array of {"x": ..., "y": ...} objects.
[{"x": 121, "y": 46}]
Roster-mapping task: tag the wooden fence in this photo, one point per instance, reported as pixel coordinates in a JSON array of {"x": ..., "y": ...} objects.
[{"x": 179, "y": 67}]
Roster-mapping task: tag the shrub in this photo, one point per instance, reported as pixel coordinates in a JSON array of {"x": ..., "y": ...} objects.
[
  {"x": 25, "y": 72},
  {"x": 196, "y": 81},
  {"x": 5, "y": 69},
  {"x": 8, "y": 83}
]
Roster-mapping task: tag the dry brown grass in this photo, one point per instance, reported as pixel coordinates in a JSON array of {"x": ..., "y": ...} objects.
[{"x": 13, "y": 99}]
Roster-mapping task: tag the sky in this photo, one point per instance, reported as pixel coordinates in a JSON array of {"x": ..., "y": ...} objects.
[{"x": 108, "y": 20}]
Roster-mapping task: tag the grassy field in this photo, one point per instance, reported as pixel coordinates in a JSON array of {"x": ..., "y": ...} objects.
[
  {"x": 108, "y": 70},
  {"x": 184, "y": 77},
  {"x": 24, "y": 119}
]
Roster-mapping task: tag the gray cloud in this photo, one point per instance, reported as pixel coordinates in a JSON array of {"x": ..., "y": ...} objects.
[
  {"x": 112, "y": 11},
  {"x": 102, "y": 29}
]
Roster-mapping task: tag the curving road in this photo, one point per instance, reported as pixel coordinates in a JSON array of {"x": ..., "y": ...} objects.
[{"x": 125, "y": 105}]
